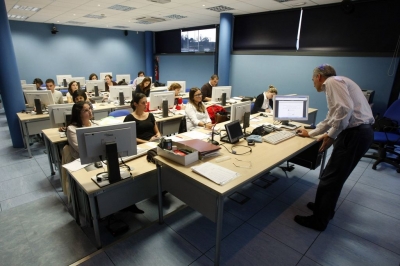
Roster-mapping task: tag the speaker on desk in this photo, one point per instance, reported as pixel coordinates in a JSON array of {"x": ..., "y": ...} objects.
[
  {"x": 79, "y": 85},
  {"x": 223, "y": 101},
  {"x": 165, "y": 108},
  {"x": 38, "y": 106},
  {"x": 121, "y": 98},
  {"x": 96, "y": 91},
  {"x": 64, "y": 83}
]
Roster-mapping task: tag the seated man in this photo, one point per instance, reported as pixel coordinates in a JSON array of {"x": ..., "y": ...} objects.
[
  {"x": 206, "y": 90},
  {"x": 57, "y": 96}
]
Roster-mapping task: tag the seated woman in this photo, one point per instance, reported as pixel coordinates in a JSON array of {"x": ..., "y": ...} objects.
[
  {"x": 144, "y": 87},
  {"x": 109, "y": 82},
  {"x": 146, "y": 127},
  {"x": 93, "y": 76},
  {"x": 196, "y": 112},
  {"x": 81, "y": 116},
  {"x": 78, "y": 96},
  {"x": 72, "y": 86},
  {"x": 262, "y": 101},
  {"x": 175, "y": 87}
]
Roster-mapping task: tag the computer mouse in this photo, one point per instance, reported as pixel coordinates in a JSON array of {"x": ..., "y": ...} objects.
[{"x": 251, "y": 142}]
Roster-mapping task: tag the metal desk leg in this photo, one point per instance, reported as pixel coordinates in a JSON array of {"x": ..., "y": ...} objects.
[
  {"x": 160, "y": 203},
  {"x": 26, "y": 136},
  {"x": 56, "y": 153},
  {"x": 218, "y": 237},
  {"x": 49, "y": 151},
  {"x": 93, "y": 211},
  {"x": 72, "y": 191}
]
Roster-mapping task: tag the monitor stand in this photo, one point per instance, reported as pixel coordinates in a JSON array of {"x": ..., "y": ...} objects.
[{"x": 286, "y": 124}]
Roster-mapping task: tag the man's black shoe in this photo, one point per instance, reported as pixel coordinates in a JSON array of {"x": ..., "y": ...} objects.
[
  {"x": 310, "y": 222},
  {"x": 311, "y": 206}
]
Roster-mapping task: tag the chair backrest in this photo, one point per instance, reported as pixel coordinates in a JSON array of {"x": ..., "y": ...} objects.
[
  {"x": 393, "y": 112},
  {"x": 122, "y": 112}
]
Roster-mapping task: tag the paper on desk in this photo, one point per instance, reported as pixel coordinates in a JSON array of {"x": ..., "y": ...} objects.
[
  {"x": 195, "y": 135},
  {"x": 152, "y": 145},
  {"x": 175, "y": 138},
  {"x": 75, "y": 165},
  {"x": 215, "y": 173}
]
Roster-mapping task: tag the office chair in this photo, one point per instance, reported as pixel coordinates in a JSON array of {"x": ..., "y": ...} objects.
[
  {"x": 117, "y": 113},
  {"x": 386, "y": 140}
]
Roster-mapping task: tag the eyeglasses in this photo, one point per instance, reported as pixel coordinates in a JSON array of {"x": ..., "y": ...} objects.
[{"x": 197, "y": 95}]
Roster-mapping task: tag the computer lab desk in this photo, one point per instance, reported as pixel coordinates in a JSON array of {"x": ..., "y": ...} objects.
[
  {"x": 208, "y": 197},
  {"x": 112, "y": 198},
  {"x": 34, "y": 124}
]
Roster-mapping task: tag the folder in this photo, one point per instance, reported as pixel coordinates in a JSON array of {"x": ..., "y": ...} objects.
[{"x": 201, "y": 146}]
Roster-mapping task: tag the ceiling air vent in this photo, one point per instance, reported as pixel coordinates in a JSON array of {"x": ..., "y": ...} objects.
[
  {"x": 149, "y": 20},
  {"x": 160, "y": 1}
]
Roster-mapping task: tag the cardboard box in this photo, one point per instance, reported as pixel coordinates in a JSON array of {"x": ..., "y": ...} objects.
[{"x": 184, "y": 160}]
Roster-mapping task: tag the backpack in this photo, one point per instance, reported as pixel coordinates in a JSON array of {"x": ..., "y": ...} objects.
[{"x": 385, "y": 124}]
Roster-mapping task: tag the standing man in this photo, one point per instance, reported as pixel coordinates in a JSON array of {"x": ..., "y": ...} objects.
[
  {"x": 348, "y": 127},
  {"x": 57, "y": 95},
  {"x": 207, "y": 88}
]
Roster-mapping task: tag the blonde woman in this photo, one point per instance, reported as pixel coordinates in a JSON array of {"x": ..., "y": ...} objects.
[
  {"x": 262, "y": 101},
  {"x": 196, "y": 111}
]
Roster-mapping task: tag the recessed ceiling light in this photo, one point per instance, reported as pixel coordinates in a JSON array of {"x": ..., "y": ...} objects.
[
  {"x": 27, "y": 8},
  {"x": 74, "y": 14},
  {"x": 58, "y": 21},
  {"x": 299, "y": 4},
  {"x": 98, "y": 5}
]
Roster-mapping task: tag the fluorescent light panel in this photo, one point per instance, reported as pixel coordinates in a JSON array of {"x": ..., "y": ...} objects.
[
  {"x": 27, "y": 8},
  {"x": 121, "y": 8}
]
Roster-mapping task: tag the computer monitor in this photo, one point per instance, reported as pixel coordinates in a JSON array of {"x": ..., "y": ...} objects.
[
  {"x": 103, "y": 75},
  {"x": 238, "y": 110},
  {"x": 287, "y": 108},
  {"x": 233, "y": 131},
  {"x": 140, "y": 79},
  {"x": 101, "y": 85},
  {"x": 60, "y": 79},
  {"x": 107, "y": 143},
  {"x": 23, "y": 81},
  {"x": 158, "y": 89},
  {"x": 29, "y": 87},
  {"x": 58, "y": 112},
  {"x": 45, "y": 97},
  {"x": 115, "y": 90},
  {"x": 126, "y": 77},
  {"x": 182, "y": 83},
  {"x": 81, "y": 80},
  {"x": 157, "y": 98},
  {"x": 216, "y": 95}
]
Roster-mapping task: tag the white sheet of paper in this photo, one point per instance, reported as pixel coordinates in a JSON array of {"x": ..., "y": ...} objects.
[
  {"x": 196, "y": 135},
  {"x": 74, "y": 165}
]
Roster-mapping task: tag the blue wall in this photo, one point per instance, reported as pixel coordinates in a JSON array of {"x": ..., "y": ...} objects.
[
  {"x": 194, "y": 69},
  {"x": 251, "y": 75},
  {"x": 78, "y": 51}
]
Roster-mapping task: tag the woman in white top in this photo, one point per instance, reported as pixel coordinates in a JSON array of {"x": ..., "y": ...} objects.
[
  {"x": 72, "y": 86},
  {"x": 81, "y": 116},
  {"x": 196, "y": 112},
  {"x": 262, "y": 101}
]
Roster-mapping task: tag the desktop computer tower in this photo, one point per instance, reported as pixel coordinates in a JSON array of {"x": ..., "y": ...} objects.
[{"x": 369, "y": 95}]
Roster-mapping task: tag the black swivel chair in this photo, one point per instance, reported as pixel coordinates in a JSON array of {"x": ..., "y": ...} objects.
[{"x": 388, "y": 138}]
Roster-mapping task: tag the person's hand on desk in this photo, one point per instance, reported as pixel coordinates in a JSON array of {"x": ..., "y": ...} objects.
[{"x": 302, "y": 132}]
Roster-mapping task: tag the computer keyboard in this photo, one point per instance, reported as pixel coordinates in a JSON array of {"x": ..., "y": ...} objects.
[
  {"x": 279, "y": 136},
  {"x": 140, "y": 152}
]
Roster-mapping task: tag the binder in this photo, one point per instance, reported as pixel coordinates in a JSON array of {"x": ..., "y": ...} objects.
[{"x": 201, "y": 146}]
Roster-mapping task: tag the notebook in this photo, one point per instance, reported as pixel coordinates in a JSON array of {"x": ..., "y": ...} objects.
[
  {"x": 201, "y": 146},
  {"x": 215, "y": 173}
]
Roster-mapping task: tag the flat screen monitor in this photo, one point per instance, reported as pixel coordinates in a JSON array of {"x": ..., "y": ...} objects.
[
  {"x": 91, "y": 83},
  {"x": 157, "y": 98},
  {"x": 81, "y": 80},
  {"x": 234, "y": 131},
  {"x": 140, "y": 79},
  {"x": 115, "y": 90},
  {"x": 293, "y": 107},
  {"x": 182, "y": 83},
  {"x": 29, "y": 87},
  {"x": 107, "y": 143},
  {"x": 121, "y": 77},
  {"x": 103, "y": 75},
  {"x": 45, "y": 97},
  {"x": 58, "y": 112},
  {"x": 216, "y": 95},
  {"x": 60, "y": 79},
  {"x": 238, "y": 110},
  {"x": 23, "y": 81}
]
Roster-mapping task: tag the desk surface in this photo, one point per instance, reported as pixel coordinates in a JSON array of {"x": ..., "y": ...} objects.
[{"x": 264, "y": 157}]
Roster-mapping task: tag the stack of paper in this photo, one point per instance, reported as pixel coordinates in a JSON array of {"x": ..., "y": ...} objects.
[{"x": 215, "y": 173}]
